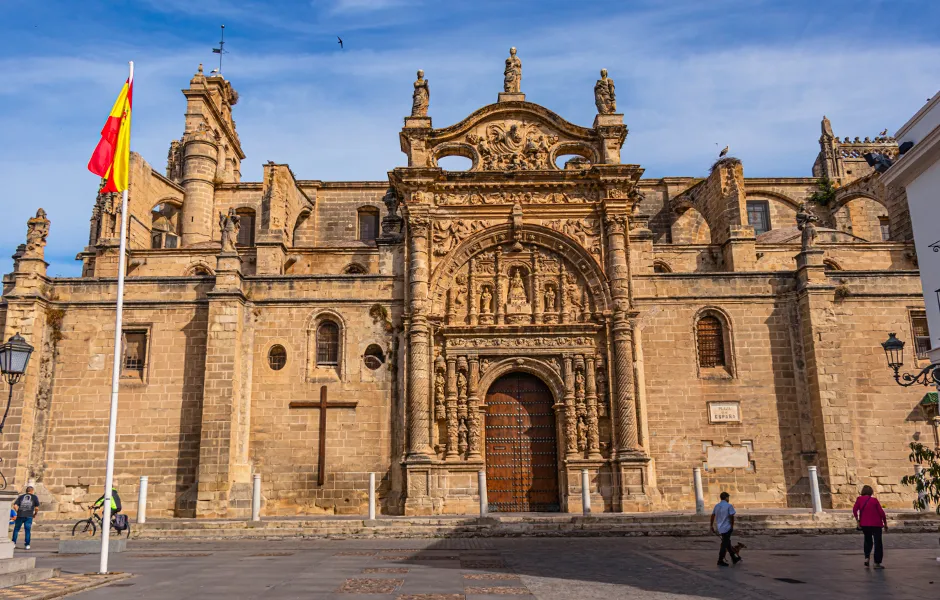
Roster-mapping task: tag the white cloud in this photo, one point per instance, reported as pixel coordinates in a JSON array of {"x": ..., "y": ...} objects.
[{"x": 336, "y": 116}]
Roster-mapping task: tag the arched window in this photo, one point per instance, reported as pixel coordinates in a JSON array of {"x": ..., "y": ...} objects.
[
  {"x": 246, "y": 227},
  {"x": 661, "y": 267},
  {"x": 277, "y": 357},
  {"x": 711, "y": 342},
  {"x": 368, "y": 223},
  {"x": 831, "y": 265},
  {"x": 327, "y": 344},
  {"x": 164, "y": 226}
]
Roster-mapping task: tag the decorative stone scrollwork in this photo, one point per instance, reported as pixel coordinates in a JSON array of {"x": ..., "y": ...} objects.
[
  {"x": 513, "y": 146},
  {"x": 520, "y": 342},
  {"x": 473, "y": 197},
  {"x": 447, "y": 235}
]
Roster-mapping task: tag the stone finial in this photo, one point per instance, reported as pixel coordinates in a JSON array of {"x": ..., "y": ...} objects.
[
  {"x": 605, "y": 97},
  {"x": 806, "y": 222},
  {"x": 512, "y": 75},
  {"x": 228, "y": 223},
  {"x": 421, "y": 97},
  {"x": 36, "y": 234}
]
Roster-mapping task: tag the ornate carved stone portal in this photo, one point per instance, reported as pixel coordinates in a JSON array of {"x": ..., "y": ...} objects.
[{"x": 512, "y": 275}]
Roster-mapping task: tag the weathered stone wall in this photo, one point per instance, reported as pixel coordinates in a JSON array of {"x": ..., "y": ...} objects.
[{"x": 337, "y": 210}]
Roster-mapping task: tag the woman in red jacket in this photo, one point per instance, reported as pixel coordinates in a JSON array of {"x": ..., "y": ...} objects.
[{"x": 872, "y": 519}]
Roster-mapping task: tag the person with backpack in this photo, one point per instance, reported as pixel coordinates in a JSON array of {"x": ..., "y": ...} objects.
[
  {"x": 26, "y": 507},
  {"x": 872, "y": 521}
]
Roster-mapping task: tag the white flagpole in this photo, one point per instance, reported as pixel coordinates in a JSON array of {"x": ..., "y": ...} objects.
[{"x": 115, "y": 380}]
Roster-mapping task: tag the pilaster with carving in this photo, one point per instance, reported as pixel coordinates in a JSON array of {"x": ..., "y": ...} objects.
[
  {"x": 590, "y": 397},
  {"x": 451, "y": 409},
  {"x": 419, "y": 448},
  {"x": 473, "y": 406},
  {"x": 571, "y": 430},
  {"x": 498, "y": 288}
]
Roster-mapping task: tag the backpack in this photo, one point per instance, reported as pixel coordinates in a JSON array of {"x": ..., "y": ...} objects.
[{"x": 120, "y": 522}]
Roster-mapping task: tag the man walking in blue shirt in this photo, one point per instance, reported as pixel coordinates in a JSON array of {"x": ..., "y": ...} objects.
[{"x": 723, "y": 524}]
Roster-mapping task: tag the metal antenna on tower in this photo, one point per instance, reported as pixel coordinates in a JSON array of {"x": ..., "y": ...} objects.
[{"x": 220, "y": 50}]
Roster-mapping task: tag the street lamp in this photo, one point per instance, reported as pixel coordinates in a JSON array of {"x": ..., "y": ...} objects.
[
  {"x": 894, "y": 353},
  {"x": 14, "y": 356}
]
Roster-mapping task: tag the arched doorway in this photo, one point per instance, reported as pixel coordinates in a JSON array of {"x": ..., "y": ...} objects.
[{"x": 521, "y": 451}]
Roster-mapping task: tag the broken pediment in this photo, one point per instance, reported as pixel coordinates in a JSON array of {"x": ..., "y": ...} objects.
[{"x": 512, "y": 136}]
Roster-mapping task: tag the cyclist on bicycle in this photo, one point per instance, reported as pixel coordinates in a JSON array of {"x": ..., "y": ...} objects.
[{"x": 115, "y": 502}]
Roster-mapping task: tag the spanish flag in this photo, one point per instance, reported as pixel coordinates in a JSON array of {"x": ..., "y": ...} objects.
[{"x": 111, "y": 159}]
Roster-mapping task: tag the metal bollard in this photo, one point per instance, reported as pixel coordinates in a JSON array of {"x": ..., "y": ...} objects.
[
  {"x": 814, "y": 490},
  {"x": 585, "y": 492},
  {"x": 699, "y": 494},
  {"x": 372, "y": 496},
  {"x": 481, "y": 484},
  {"x": 142, "y": 500},
  {"x": 256, "y": 498}
]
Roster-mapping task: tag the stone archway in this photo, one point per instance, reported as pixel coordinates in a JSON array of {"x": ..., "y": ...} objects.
[{"x": 521, "y": 445}]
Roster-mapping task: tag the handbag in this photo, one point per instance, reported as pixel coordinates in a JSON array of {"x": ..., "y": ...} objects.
[{"x": 858, "y": 521}]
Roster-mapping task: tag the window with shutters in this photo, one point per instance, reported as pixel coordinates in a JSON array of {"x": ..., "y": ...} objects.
[
  {"x": 327, "y": 344},
  {"x": 711, "y": 344},
  {"x": 921, "y": 334},
  {"x": 134, "y": 362}
]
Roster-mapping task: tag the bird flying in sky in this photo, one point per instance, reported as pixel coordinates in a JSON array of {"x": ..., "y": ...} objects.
[{"x": 340, "y": 42}]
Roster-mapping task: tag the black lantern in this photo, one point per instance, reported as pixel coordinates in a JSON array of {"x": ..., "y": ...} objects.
[
  {"x": 14, "y": 357},
  {"x": 894, "y": 352}
]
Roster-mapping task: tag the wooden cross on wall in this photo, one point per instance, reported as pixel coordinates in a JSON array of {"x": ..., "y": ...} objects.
[{"x": 323, "y": 405}]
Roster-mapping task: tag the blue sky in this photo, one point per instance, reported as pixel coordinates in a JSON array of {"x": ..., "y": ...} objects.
[{"x": 689, "y": 73}]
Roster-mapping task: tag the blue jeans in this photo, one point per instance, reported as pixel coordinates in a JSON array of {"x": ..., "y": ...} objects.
[{"x": 27, "y": 522}]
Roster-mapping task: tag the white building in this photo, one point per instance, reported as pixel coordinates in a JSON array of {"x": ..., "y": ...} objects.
[{"x": 918, "y": 170}]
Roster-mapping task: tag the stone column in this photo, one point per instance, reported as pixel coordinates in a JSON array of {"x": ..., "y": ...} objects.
[
  {"x": 624, "y": 405},
  {"x": 473, "y": 301},
  {"x": 590, "y": 387},
  {"x": 473, "y": 405},
  {"x": 463, "y": 414},
  {"x": 452, "y": 306},
  {"x": 419, "y": 448},
  {"x": 498, "y": 288},
  {"x": 535, "y": 290},
  {"x": 200, "y": 164},
  {"x": 562, "y": 295},
  {"x": 451, "y": 408},
  {"x": 571, "y": 428}
]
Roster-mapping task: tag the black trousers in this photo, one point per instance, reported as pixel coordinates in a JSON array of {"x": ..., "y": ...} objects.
[
  {"x": 873, "y": 538},
  {"x": 726, "y": 545}
]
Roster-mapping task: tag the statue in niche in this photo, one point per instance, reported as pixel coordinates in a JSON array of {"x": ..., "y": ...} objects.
[
  {"x": 460, "y": 295},
  {"x": 517, "y": 295},
  {"x": 228, "y": 223},
  {"x": 421, "y": 97},
  {"x": 582, "y": 434},
  {"x": 549, "y": 298},
  {"x": 604, "y": 95},
  {"x": 439, "y": 394},
  {"x": 579, "y": 383},
  {"x": 462, "y": 436},
  {"x": 574, "y": 296},
  {"x": 512, "y": 75},
  {"x": 461, "y": 384},
  {"x": 486, "y": 300},
  {"x": 806, "y": 222}
]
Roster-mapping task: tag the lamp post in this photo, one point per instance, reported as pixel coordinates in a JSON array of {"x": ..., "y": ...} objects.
[
  {"x": 14, "y": 357},
  {"x": 894, "y": 353}
]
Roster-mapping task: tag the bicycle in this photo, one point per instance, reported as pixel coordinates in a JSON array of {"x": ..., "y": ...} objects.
[{"x": 92, "y": 523}]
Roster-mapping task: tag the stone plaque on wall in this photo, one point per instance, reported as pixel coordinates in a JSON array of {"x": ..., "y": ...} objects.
[
  {"x": 724, "y": 412},
  {"x": 734, "y": 457}
]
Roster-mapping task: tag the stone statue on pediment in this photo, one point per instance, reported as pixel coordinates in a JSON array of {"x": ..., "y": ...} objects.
[
  {"x": 36, "y": 234},
  {"x": 228, "y": 223},
  {"x": 512, "y": 75},
  {"x": 605, "y": 97},
  {"x": 806, "y": 222},
  {"x": 421, "y": 97}
]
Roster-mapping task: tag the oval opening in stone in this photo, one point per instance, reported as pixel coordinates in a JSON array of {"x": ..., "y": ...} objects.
[
  {"x": 455, "y": 163},
  {"x": 277, "y": 357},
  {"x": 373, "y": 357},
  {"x": 569, "y": 162}
]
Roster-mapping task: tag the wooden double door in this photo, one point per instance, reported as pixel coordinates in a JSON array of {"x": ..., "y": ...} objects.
[{"x": 521, "y": 451}]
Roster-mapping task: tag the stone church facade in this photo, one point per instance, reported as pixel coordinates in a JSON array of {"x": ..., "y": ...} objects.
[{"x": 546, "y": 311}]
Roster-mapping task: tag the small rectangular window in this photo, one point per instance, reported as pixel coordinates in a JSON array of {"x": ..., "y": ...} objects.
[
  {"x": 921, "y": 333},
  {"x": 368, "y": 225},
  {"x": 758, "y": 216},
  {"x": 246, "y": 230},
  {"x": 135, "y": 353},
  {"x": 885, "y": 228}
]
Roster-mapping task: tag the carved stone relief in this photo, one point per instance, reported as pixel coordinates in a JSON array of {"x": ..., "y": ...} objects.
[
  {"x": 475, "y": 197},
  {"x": 513, "y": 146},
  {"x": 447, "y": 235}
]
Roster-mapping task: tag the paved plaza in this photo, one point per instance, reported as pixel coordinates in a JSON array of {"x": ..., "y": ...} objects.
[{"x": 801, "y": 567}]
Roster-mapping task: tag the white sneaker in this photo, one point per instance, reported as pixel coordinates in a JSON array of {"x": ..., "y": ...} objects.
[{"x": 27, "y": 546}]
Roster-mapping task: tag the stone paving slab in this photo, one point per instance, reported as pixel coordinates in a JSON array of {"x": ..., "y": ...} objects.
[{"x": 58, "y": 587}]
